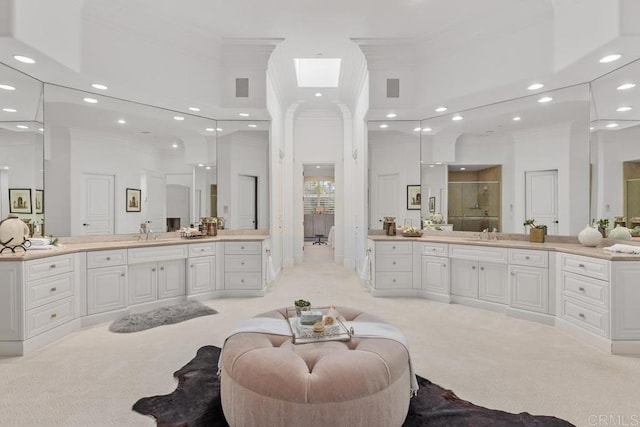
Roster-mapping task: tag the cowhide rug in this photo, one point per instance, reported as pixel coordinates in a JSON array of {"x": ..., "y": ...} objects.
[{"x": 196, "y": 403}]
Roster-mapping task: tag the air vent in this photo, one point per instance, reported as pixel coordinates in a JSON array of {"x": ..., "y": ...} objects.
[
  {"x": 393, "y": 88},
  {"x": 242, "y": 88}
]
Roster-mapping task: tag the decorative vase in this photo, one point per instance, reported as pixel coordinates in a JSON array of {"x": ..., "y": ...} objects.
[
  {"x": 589, "y": 236},
  {"x": 620, "y": 233},
  {"x": 536, "y": 235}
]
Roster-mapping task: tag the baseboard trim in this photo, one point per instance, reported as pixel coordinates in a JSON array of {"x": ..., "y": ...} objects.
[
  {"x": 109, "y": 316},
  {"x": 20, "y": 348},
  {"x": 486, "y": 305},
  {"x": 627, "y": 348},
  {"x": 601, "y": 343},
  {"x": 532, "y": 316}
]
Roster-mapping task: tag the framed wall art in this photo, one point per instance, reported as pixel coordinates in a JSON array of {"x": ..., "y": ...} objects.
[
  {"x": 20, "y": 200},
  {"x": 432, "y": 204},
  {"x": 38, "y": 203},
  {"x": 133, "y": 199},
  {"x": 413, "y": 197}
]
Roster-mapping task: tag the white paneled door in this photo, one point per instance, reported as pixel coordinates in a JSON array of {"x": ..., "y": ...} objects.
[
  {"x": 542, "y": 198},
  {"x": 155, "y": 201},
  {"x": 247, "y": 202},
  {"x": 98, "y": 207},
  {"x": 386, "y": 198}
]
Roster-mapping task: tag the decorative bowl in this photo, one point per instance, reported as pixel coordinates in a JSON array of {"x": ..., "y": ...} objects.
[{"x": 412, "y": 234}]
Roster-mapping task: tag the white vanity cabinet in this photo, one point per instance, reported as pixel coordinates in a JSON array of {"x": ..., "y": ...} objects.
[
  {"x": 479, "y": 273},
  {"x": 625, "y": 299},
  {"x": 529, "y": 280},
  {"x": 202, "y": 269},
  {"x": 156, "y": 273},
  {"x": 11, "y": 302},
  {"x": 106, "y": 281},
  {"x": 392, "y": 267},
  {"x": 434, "y": 272},
  {"x": 243, "y": 268}
]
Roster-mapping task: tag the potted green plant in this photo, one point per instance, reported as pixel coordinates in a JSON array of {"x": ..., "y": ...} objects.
[
  {"x": 603, "y": 224},
  {"x": 301, "y": 305},
  {"x": 536, "y": 232}
]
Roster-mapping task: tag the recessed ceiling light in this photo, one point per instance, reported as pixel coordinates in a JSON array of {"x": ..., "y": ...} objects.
[
  {"x": 545, "y": 99},
  {"x": 178, "y": 118},
  {"x": 174, "y": 145},
  {"x": 432, "y": 166},
  {"x": 535, "y": 86},
  {"x": 417, "y": 129},
  {"x": 421, "y": 161},
  {"x": 591, "y": 128},
  {"x": 610, "y": 58},
  {"x": 391, "y": 115},
  {"x": 318, "y": 167},
  {"x": 219, "y": 129},
  {"x": 99, "y": 86},
  {"x": 384, "y": 126},
  {"x": 200, "y": 165},
  {"x": 623, "y": 109},
  {"x": 122, "y": 121},
  {"x": 462, "y": 169},
  {"x": 194, "y": 109},
  {"x": 318, "y": 94},
  {"x": 210, "y": 129},
  {"x": 441, "y": 109},
  {"x": 41, "y": 129},
  {"x": 438, "y": 163},
  {"x": 426, "y": 129},
  {"x": 24, "y": 59},
  {"x": 244, "y": 114},
  {"x": 208, "y": 168},
  {"x": 612, "y": 125},
  {"x": 22, "y": 127},
  {"x": 251, "y": 125},
  {"x": 90, "y": 100},
  {"x": 516, "y": 119},
  {"x": 7, "y": 87},
  {"x": 10, "y": 110},
  {"x": 457, "y": 117},
  {"x": 626, "y": 86}
]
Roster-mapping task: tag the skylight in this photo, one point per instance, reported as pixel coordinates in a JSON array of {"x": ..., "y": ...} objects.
[{"x": 317, "y": 72}]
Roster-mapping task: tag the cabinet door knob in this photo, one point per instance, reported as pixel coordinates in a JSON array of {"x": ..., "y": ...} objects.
[
  {"x": 191, "y": 265},
  {"x": 394, "y": 280},
  {"x": 52, "y": 266},
  {"x": 242, "y": 247},
  {"x": 121, "y": 274},
  {"x": 153, "y": 269},
  {"x": 53, "y": 289},
  {"x": 444, "y": 265},
  {"x": 201, "y": 249},
  {"x": 393, "y": 247},
  {"x": 54, "y": 315},
  {"x": 473, "y": 267},
  {"x": 513, "y": 274},
  {"x": 241, "y": 280},
  {"x": 394, "y": 263},
  {"x": 161, "y": 268},
  {"x": 108, "y": 258},
  {"x": 581, "y": 265},
  {"x": 581, "y": 289},
  {"x": 241, "y": 262},
  {"x": 581, "y": 315},
  {"x": 527, "y": 257},
  {"x": 482, "y": 268}
]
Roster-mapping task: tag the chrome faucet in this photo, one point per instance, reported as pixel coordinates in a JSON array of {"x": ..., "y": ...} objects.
[
  {"x": 494, "y": 234},
  {"x": 146, "y": 230},
  {"x": 485, "y": 234}
]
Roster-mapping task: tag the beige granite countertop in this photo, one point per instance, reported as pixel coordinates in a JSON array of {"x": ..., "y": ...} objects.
[
  {"x": 558, "y": 246},
  {"x": 96, "y": 245}
]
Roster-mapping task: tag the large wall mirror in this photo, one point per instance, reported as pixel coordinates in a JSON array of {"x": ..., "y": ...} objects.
[
  {"x": 394, "y": 172},
  {"x": 615, "y": 146},
  {"x": 21, "y": 147},
  {"x": 493, "y": 166}
]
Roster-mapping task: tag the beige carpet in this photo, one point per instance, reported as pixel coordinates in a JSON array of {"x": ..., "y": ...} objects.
[{"x": 92, "y": 377}]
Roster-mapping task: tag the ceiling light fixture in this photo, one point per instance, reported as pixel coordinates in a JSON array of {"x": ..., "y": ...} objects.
[
  {"x": 545, "y": 99},
  {"x": 219, "y": 129},
  {"x": 251, "y": 125},
  {"x": 99, "y": 86},
  {"x": 194, "y": 109},
  {"x": 535, "y": 86},
  {"x": 7, "y": 87},
  {"x": 623, "y": 109},
  {"x": 122, "y": 121},
  {"x": 244, "y": 114},
  {"x": 438, "y": 163},
  {"x": 208, "y": 168},
  {"x": 417, "y": 129},
  {"x": 178, "y": 118},
  {"x": 591, "y": 128},
  {"x": 462, "y": 169},
  {"x": 516, "y": 119},
  {"x": 457, "y": 118},
  {"x": 174, "y": 145},
  {"x": 626, "y": 86},
  {"x": 426, "y": 129},
  {"x": 318, "y": 94},
  {"x": 210, "y": 129},
  {"x": 384, "y": 126},
  {"x": 41, "y": 129},
  {"x": 22, "y": 127},
  {"x": 200, "y": 165},
  {"x": 90, "y": 100},
  {"x": 391, "y": 115},
  {"x": 441, "y": 109},
  {"x": 610, "y": 58},
  {"x": 24, "y": 59},
  {"x": 612, "y": 125},
  {"x": 432, "y": 166},
  {"x": 10, "y": 110}
]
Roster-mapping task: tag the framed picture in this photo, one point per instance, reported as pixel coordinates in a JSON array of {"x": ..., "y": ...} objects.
[
  {"x": 432, "y": 204},
  {"x": 133, "y": 199},
  {"x": 413, "y": 197},
  {"x": 38, "y": 203},
  {"x": 20, "y": 200}
]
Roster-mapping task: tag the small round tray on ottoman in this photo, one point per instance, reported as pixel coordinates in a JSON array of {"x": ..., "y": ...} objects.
[{"x": 267, "y": 380}]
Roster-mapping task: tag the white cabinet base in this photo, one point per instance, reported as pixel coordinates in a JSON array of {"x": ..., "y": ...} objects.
[{"x": 20, "y": 348}]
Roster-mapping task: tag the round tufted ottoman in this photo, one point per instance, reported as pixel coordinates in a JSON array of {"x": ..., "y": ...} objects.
[{"x": 266, "y": 380}]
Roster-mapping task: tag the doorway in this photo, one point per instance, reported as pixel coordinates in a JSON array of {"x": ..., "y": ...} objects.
[
  {"x": 98, "y": 208},
  {"x": 541, "y": 203},
  {"x": 319, "y": 205},
  {"x": 248, "y": 202}
]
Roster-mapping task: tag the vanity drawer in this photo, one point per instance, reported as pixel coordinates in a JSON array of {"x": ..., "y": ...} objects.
[
  {"x": 586, "y": 289},
  {"x": 202, "y": 249},
  {"x": 479, "y": 253},
  {"x": 43, "y": 268},
  {"x": 44, "y": 291},
  {"x": 160, "y": 253},
  {"x": 106, "y": 258},
  {"x": 585, "y": 317},
  {"x": 242, "y": 281},
  {"x": 393, "y": 263},
  {"x": 397, "y": 280},
  {"x": 435, "y": 249},
  {"x": 48, "y": 316},
  {"x": 237, "y": 248},
  {"x": 529, "y": 258},
  {"x": 242, "y": 262},
  {"x": 388, "y": 248},
  {"x": 591, "y": 267}
]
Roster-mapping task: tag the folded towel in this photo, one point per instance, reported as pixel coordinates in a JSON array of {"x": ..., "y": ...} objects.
[
  {"x": 626, "y": 249},
  {"x": 40, "y": 241},
  {"x": 40, "y": 247}
]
